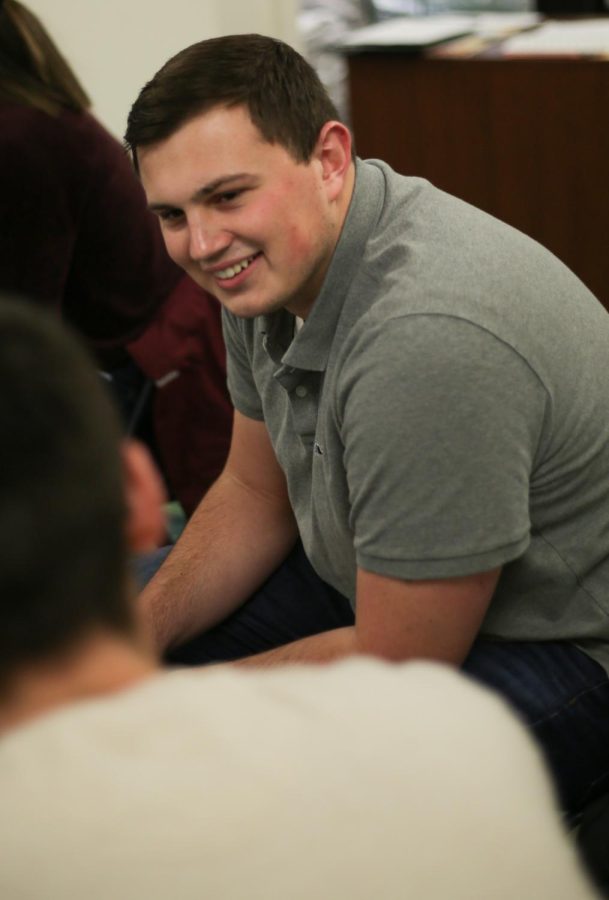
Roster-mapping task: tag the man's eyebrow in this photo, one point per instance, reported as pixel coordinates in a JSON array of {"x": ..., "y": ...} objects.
[
  {"x": 222, "y": 181},
  {"x": 203, "y": 191}
]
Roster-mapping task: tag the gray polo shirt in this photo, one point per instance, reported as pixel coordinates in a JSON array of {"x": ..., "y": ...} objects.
[{"x": 444, "y": 410}]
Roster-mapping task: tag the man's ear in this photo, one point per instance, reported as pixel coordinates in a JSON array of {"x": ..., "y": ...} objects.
[
  {"x": 333, "y": 150},
  {"x": 145, "y": 495}
]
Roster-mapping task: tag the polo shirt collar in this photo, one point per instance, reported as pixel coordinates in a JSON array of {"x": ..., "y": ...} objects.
[{"x": 310, "y": 348}]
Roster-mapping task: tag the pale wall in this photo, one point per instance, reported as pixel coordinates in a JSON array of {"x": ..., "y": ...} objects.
[{"x": 115, "y": 46}]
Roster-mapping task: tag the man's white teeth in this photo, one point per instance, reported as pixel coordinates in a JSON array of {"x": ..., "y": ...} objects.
[{"x": 234, "y": 270}]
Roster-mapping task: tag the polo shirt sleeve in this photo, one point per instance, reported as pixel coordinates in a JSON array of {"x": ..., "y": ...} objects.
[
  {"x": 241, "y": 386},
  {"x": 440, "y": 422}
]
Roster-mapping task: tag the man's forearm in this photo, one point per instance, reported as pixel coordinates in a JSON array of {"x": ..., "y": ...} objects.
[
  {"x": 318, "y": 648},
  {"x": 234, "y": 540}
]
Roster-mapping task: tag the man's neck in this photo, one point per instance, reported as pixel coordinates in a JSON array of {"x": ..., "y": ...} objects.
[
  {"x": 301, "y": 307},
  {"x": 101, "y": 664}
]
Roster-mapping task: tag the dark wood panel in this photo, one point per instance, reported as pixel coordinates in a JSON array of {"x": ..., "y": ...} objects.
[{"x": 526, "y": 140}]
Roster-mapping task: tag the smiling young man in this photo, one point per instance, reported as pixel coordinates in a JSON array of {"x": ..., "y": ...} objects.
[{"x": 421, "y": 432}]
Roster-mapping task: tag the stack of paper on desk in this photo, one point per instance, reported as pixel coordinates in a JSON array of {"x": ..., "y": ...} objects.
[
  {"x": 499, "y": 24},
  {"x": 411, "y": 32},
  {"x": 589, "y": 37},
  {"x": 417, "y": 32}
]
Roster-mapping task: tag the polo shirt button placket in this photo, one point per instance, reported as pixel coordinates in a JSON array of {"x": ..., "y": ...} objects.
[{"x": 301, "y": 391}]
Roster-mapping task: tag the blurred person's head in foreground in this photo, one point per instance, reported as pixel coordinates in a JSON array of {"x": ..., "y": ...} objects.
[{"x": 75, "y": 501}]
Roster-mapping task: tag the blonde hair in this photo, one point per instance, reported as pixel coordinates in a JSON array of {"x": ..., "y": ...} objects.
[{"x": 32, "y": 70}]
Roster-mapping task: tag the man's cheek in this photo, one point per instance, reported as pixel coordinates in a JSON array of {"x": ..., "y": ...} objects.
[{"x": 298, "y": 244}]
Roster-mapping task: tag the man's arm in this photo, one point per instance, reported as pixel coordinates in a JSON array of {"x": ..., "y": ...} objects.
[
  {"x": 398, "y": 620},
  {"x": 241, "y": 531}
]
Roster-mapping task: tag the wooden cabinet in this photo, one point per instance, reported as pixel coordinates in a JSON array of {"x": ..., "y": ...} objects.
[{"x": 527, "y": 140}]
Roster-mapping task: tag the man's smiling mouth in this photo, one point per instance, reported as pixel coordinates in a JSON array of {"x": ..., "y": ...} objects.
[{"x": 231, "y": 271}]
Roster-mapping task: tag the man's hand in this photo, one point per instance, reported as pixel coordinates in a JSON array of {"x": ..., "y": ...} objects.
[{"x": 241, "y": 531}]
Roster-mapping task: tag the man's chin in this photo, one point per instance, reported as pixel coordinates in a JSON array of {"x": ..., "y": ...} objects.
[
  {"x": 245, "y": 307},
  {"x": 238, "y": 306}
]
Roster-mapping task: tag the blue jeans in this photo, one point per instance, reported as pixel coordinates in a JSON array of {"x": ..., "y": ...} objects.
[
  {"x": 557, "y": 690},
  {"x": 563, "y": 697}
]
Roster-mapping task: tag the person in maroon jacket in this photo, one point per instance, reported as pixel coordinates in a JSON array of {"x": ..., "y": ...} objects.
[{"x": 75, "y": 234}]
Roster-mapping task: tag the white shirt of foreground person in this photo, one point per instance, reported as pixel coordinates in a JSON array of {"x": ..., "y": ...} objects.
[{"x": 363, "y": 781}]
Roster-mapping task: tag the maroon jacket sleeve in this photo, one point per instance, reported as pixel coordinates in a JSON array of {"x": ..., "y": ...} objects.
[{"x": 183, "y": 352}]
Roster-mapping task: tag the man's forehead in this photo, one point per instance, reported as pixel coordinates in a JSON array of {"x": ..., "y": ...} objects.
[
  {"x": 225, "y": 128},
  {"x": 214, "y": 146},
  {"x": 216, "y": 121}
]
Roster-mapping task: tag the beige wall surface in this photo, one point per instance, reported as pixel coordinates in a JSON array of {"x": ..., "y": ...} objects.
[{"x": 115, "y": 46}]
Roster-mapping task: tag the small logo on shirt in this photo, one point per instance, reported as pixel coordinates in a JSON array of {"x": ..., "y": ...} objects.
[{"x": 317, "y": 449}]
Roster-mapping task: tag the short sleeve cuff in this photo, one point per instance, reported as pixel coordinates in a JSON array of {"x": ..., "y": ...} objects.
[{"x": 447, "y": 567}]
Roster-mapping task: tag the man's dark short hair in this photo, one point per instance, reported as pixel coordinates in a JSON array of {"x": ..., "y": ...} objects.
[
  {"x": 282, "y": 92},
  {"x": 62, "y": 514}
]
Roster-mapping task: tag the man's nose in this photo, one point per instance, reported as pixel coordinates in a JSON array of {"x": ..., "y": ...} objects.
[{"x": 206, "y": 240}]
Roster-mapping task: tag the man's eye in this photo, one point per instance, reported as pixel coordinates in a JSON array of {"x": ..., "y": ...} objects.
[
  {"x": 170, "y": 215},
  {"x": 228, "y": 196}
]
